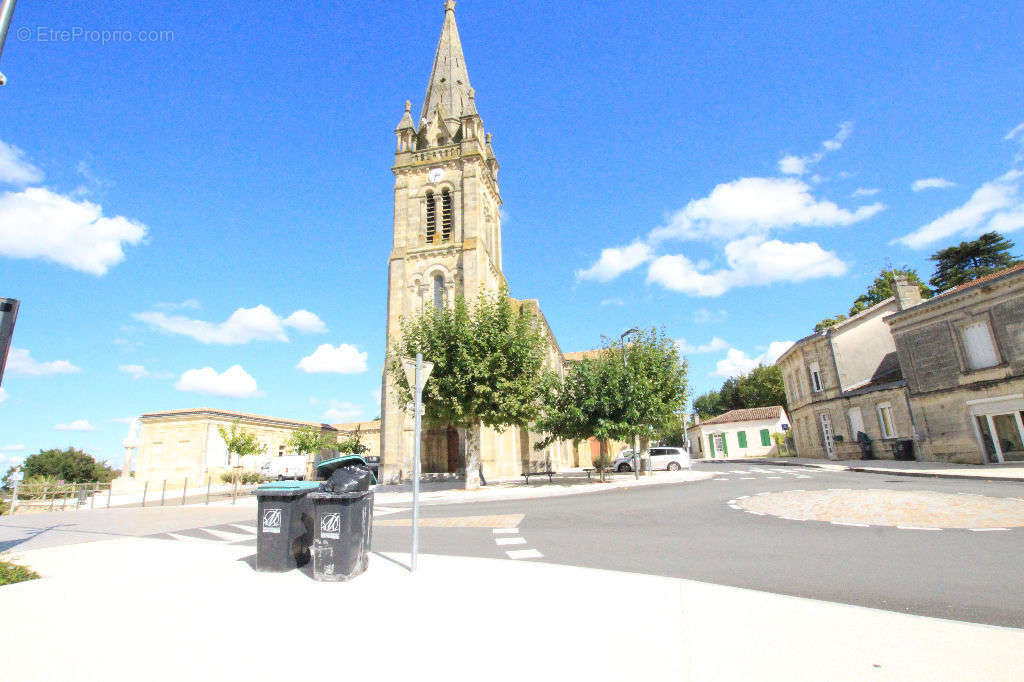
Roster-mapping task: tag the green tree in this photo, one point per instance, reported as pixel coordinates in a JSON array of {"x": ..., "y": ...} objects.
[
  {"x": 829, "y": 322},
  {"x": 71, "y": 466},
  {"x": 310, "y": 441},
  {"x": 240, "y": 442},
  {"x": 488, "y": 367},
  {"x": 763, "y": 387},
  {"x": 633, "y": 389},
  {"x": 967, "y": 261},
  {"x": 883, "y": 288},
  {"x": 708, "y": 405},
  {"x": 352, "y": 445}
]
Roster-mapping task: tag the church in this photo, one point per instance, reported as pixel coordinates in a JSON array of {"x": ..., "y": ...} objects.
[{"x": 447, "y": 243}]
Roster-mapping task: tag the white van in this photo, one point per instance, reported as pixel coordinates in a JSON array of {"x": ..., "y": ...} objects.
[{"x": 286, "y": 466}]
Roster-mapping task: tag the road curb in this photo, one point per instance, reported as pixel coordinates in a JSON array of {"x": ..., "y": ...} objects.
[{"x": 892, "y": 472}]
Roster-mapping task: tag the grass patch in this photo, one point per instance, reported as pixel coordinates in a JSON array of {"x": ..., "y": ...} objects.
[{"x": 13, "y": 573}]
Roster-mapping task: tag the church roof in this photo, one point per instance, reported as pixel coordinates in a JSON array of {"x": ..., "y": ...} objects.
[{"x": 449, "y": 81}]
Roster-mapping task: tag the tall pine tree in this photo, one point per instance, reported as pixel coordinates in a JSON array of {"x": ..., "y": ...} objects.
[{"x": 967, "y": 261}]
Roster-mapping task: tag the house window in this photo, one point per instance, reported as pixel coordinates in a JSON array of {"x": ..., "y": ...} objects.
[
  {"x": 742, "y": 437},
  {"x": 447, "y": 215},
  {"x": 438, "y": 291},
  {"x": 815, "y": 371},
  {"x": 979, "y": 346},
  {"x": 1002, "y": 436},
  {"x": 280, "y": 451},
  {"x": 766, "y": 438},
  {"x": 885, "y": 421},
  {"x": 431, "y": 217}
]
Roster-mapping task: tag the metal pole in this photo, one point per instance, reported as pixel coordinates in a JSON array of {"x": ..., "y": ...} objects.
[
  {"x": 6, "y": 12},
  {"x": 92, "y": 498},
  {"x": 418, "y": 411},
  {"x": 14, "y": 498},
  {"x": 184, "y": 492},
  {"x": 145, "y": 489},
  {"x": 110, "y": 491},
  {"x": 163, "y": 492},
  {"x": 208, "y": 477},
  {"x": 63, "y": 499},
  {"x": 234, "y": 488},
  {"x": 625, "y": 367}
]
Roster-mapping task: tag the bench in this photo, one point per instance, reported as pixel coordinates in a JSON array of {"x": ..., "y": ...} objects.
[
  {"x": 527, "y": 475},
  {"x": 590, "y": 471}
]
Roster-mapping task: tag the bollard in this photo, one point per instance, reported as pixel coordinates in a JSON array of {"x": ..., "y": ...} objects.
[
  {"x": 145, "y": 489},
  {"x": 92, "y": 498},
  {"x": 208, "y": 477},
  {"x": 163, "y": 492},
  {"x": 110, "y": 490},
  {"x": 63, "y": 500},
  {"x": 184, "y": 492},
  {"x": 234, "y": 490}
]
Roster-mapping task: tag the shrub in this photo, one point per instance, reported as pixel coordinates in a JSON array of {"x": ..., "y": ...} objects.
[
  {"x": 250, "y": 477},
  {"x": 5, "y": 508},
  {"x": 13, "y": 573}
]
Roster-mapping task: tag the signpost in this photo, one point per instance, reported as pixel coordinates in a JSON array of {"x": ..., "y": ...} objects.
[
  {"x": 416, "y": 373},
  {"x": 8, "y": 316}
]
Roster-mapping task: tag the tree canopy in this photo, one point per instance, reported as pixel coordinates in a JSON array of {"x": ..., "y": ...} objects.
[
  {"x": 883, "y": 287},
  {"x": 310, "y": 441},
  {"x": 71, "y": 466},
  {"x": 762, "y": 387},
  {"x": 967, "y": 261},
  {"x": 240, "y": 442},
  {"x": 631, "y": 389},
  {"x": 488, "y": 367}
]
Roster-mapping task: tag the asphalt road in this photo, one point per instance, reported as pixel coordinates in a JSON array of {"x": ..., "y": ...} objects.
[{"x": 685, "y": 531}]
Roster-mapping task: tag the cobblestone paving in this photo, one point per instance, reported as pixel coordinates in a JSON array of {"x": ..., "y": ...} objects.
[{"x": 900, "y": 508}]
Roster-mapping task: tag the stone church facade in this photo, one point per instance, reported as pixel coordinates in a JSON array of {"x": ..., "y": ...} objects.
[{"x": 447, "y": 243}]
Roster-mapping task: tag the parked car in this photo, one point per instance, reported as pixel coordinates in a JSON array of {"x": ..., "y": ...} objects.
[
  {"x": 286, "y": 466},
  {"x": 670, "y": 459},
  {"x": 623, "y": 462}
]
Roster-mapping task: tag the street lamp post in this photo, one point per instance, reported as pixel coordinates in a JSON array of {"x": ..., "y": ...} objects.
[
  {"x": 416, "y": 373},
  {"x": 6, "y": 12},
  {"x": 625, "y": 366},
  {"x": 8, "y": 316}
]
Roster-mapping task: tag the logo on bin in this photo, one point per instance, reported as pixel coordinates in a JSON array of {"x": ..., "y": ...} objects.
[
  {"x": 330, "y": 525},
  {"x": 272, "y": 521}
]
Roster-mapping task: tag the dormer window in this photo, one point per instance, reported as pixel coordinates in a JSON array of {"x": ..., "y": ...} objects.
[
  {"x": 431, "y": 217},
  {"x": 447, "y": 215}
]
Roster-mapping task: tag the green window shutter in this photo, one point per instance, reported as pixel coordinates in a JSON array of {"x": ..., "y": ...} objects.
[
  {"x": 766, "y": 439},
  {"x": 725, "y": 443},
  {"x": 711, "y": 445},
  {"x": 742, "y": 437}
]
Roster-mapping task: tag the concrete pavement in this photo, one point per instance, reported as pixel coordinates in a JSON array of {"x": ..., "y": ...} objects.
[
  {"x": 1010, "y": 471},
  {"x": 193, "y": 611}
]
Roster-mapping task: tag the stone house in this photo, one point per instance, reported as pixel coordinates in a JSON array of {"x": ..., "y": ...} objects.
[
  {"x": 935, "y": 380},
  {"x": 962, "y": 354},
  {"x": 738, "y": 433}
]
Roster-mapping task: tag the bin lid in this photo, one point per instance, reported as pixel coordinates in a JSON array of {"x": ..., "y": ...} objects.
[
  {"x": 287, "y": 487},
  {"x": 327, "y": 497},
  {"x": 329, "y": 466}
]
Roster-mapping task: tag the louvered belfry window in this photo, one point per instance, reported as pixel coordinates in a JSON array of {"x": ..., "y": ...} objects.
[
  {"x": 431, "y": 217},
  {"x": 447, "y": 215}
]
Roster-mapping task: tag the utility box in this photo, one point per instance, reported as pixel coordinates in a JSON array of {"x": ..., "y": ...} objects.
[{"x": 8, "y": 316}]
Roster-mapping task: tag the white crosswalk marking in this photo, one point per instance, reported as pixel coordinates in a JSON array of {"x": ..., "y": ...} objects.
[
  {"x": 510, "y": 541},
  {"x": 225, "y": 535},
  {"x": 251, "y": 530},
  {"x": 524, "y": 554}
]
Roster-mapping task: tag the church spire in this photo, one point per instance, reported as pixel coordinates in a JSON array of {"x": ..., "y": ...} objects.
[{"x": 449, "y": 81}]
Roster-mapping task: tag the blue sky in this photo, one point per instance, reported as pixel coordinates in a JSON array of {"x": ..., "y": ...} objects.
[{"x": 731, "y": 171}]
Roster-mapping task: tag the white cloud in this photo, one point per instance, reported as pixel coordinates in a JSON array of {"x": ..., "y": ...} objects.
[
  {"x": 704, "y": 316},
  {"x": 21, "y": 362},
  {"x": 865, "y": 192},
  {"x": 243, "y": 326},
  {"x": 305, "y": 321},
  {"x": 341, "y": 411},
  {"x": 137, "y": 371},
  {"x": 736, "y": 362},
  {"x": 755, "y": 206},
  {"x": 1015, "y": 133},
  {"x": 187, "y": 304},
  {"x": 996, "y": 205},
  {"x": 37, "y": 223},
  {"x": 714, "y": 345},
  {"x": 751, "y": 261},
  {"x": 931, "y": 183},
  {"x": 798, "y": 165},
  {"x": 233, "y": 382},
  {"x": 615, "y": 261},
  {"x": 81, "y": 425},
  {"x": 12, "y": 448},
  {"x": 343, "y": 359},
  {"x": 613, "y": 301},
  {"x": 3, "y": 395},
  {"x": 14, "y": 169}
]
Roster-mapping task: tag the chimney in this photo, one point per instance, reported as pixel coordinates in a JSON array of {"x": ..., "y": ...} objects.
[{"x": 908, "y": 294}]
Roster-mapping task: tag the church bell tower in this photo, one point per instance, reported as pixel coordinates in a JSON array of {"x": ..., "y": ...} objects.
[{"x": 447, "y": 227}]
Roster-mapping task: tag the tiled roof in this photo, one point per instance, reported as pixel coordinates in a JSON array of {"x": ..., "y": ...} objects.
[
  {"x": 753, "y": 414},
  {"x": 982, "y": 280},
  {"x": 231, "y": 413}
]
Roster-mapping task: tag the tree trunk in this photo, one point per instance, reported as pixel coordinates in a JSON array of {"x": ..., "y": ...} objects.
[
  {"x": 603, "y": 456},
  {"x": 473, "y": 473}
]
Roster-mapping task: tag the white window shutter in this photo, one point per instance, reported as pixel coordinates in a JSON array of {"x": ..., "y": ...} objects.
[{"x": 980, "y": 346}]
